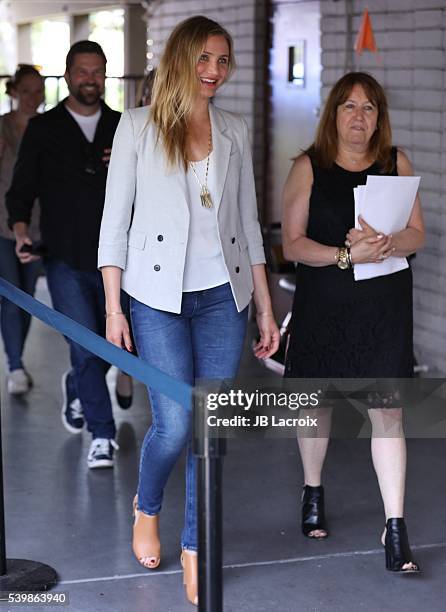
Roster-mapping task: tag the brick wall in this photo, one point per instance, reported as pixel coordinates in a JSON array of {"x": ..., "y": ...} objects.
[
  {"x": 244, "y": 93},
  {"x": 411, "y": 39}
]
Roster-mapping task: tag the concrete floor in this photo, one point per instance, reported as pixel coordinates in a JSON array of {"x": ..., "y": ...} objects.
[{"x": 79, "y": 521}]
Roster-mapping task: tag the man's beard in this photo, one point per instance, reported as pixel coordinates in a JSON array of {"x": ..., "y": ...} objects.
[{"x": 88, "y": 98}]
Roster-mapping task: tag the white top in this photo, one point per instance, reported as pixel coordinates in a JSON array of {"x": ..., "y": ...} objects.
[
  {"x": 87, "y": 124},
  {"x": 204, "y": 267},
  {"x": 144, "y": 200}
]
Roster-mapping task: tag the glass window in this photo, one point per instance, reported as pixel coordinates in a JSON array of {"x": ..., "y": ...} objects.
[
  {"x": 46, "y": 36},
  {"x": 50, "y": 41}
]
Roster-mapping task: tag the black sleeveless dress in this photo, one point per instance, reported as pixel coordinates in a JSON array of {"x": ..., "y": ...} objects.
[{"x": 342, "y": 328}]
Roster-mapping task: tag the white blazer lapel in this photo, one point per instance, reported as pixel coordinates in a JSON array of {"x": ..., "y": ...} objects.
[
  {"x": 177, "y": 186},
  {"x": 172, "y": 179},
  {"x": 221, "y": 146},
  {"x": 180, "y": 185}
]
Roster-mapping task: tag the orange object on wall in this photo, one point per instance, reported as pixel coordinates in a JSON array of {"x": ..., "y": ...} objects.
[{"x": 365, "y": 38}]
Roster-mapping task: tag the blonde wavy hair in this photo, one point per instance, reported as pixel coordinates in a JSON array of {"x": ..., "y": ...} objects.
[{"x": 177, "y": 84}]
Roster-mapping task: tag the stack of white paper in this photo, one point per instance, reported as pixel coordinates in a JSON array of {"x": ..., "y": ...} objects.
[{"x": 385, "y": 203}]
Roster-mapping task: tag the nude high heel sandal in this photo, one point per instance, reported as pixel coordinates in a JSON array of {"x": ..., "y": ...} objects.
[
  {"x": 189, "y": 562},
  {"x": 146, "y": 542}
]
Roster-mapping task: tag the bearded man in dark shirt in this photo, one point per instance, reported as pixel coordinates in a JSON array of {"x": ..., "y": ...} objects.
[{"x": 63, "y": 162}]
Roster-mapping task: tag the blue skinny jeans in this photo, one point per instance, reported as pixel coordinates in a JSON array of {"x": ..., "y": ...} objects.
[{"x": 204, "y": 341}]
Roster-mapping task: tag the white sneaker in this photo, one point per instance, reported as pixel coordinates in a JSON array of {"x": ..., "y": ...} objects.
[
  {"x": 72, "y": 413},
  {"x": 18, "y": 382},
  {"x": 100, "y": 454}
]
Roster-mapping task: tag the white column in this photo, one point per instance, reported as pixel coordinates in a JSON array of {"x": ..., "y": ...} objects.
[
  {"x": 135, "y": 35},
  {"x": 24, "y": 53},
  {"x": 79, "y": 28}
]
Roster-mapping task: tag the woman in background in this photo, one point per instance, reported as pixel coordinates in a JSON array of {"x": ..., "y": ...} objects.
[
  {"x": 27, "y": 89},
  {"x": 342, "y": 328},
  {"x": 145, "y": 87}
]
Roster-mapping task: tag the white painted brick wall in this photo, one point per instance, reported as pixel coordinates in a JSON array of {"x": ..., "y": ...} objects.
[
  {"x": 411, "y": 38},
  {"x": 427, "y": 19},
  {"x": 402, "y": 78},
  {"x": 426, "y": 140},
  {"x": 425, "y": 120},
  {"x": 395, "y": 40},
  {"x": 421, "y": 4},
  {"x": 431, "y": 182},
  {"x": 429, "y": 39},
  {"x": 430, "y": 79},
  {"x": 333, "y": 24},
  {"x": 402, "y": 138},
  {"x": 400, "y": 118}
]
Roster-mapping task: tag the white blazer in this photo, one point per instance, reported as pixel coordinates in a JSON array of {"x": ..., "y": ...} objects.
[{"x": 145, "y": 223}]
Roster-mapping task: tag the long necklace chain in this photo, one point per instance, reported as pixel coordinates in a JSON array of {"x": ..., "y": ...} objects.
[{"x": 205, "y": 196}]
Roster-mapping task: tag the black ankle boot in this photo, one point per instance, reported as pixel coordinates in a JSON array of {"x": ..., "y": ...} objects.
[
  {"x": 397, "y": 547},
  {"x": 313, "y": 513}
]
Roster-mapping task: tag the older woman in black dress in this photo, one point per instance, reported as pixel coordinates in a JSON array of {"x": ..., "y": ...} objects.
[{"x": 342, "y": 327}]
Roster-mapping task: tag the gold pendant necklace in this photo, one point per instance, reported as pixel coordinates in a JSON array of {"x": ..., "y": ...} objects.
[{"x": 205, "y": 195}]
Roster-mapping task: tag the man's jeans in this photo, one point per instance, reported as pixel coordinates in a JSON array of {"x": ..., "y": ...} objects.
[
  {"x": 14, "y": 321},
  {"x": 204, "y": 341},
  {"x": 79, "y": 294}
]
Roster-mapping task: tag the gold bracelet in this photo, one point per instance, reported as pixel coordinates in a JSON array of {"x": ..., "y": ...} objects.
[
  {"x": 109, "y": 314},
  {"x": 343, "y": 262}
]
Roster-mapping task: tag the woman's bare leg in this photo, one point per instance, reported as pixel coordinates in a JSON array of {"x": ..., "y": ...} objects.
[
  {"x": 388, "y": 446},
  {"x": 313, "y": 444}
]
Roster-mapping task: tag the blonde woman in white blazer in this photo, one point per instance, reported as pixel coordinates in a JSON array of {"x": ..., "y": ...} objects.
[{"x": 180, "y": 234}]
